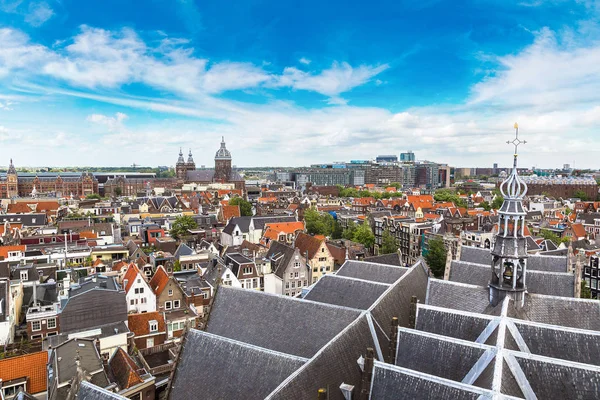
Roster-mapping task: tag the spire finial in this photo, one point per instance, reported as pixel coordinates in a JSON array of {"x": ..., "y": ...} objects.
[{"x": 516, "y": 142}]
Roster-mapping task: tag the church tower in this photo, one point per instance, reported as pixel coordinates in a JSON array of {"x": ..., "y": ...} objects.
[
  {"x": 190, "y": 165},
  {"x": 12, "y": 181},
  {"x": 222, "y": 164},
  {"x": 181, "y": 167},
  {"x": 509, "y": 255}
]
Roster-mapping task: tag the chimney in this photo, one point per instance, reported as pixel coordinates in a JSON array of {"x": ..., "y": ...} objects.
[
  {"x": 393, "y": 341},
  {"x": 448, "y": 265},
  {"x": 367, "y": 375}
]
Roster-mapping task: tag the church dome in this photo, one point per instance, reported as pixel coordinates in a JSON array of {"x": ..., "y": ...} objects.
[
  {"x": 223, "y": 153},
  {"x": 180, "y": 160}
]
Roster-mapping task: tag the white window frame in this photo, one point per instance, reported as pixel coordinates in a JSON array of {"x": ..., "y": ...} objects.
[
  {"x": 170, "y": 292},
  {"x": 48, "y": 323},
  {"x": 176, "y": 304},
  {"x": 168, "y": 305},
  {"x": 33, "y": 326},
  {"x": 153, "y": 326}
]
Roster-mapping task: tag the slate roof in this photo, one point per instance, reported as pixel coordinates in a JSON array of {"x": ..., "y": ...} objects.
[
  {"x": 389, "y": 381},
  {"x": 82, "y": 311},
  {"x": 46, "y": 294},
  {"x": 221, "y": 368},
  {"x": 346, "y": 292},
  {"x": 276, "y": 322},
  {"x": 124, "y": 369},
  {"x": 459, "y": 296},
  {"x": 183, "y": 250},
  {"x": 242, "y": 222},
  {"x": 371, "y": 271},
  {"x": 550, "y": 263},
  {"x": 26, "y": 219},
  {"x": 89, "y": 391},
  {"x": 280, "y": 255},
  {"x": 388, "y": 259},
  {"x": 452, "y": 323}
]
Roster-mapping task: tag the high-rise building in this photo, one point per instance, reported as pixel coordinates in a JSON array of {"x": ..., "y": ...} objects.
[
  {"x": 386, "y": 159},
  {"x": 408, "y": 157}
]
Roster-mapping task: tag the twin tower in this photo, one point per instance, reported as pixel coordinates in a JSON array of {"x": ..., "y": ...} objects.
[{"x": 222, "y": 171}]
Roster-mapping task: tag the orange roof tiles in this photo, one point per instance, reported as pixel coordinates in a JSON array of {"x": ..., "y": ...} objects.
[
  {"x": 363, "y": 201},
  {"x": 308, "y": 244},
  {"x": 130, "y": 275},
  {"x": 578, "y": 230},
  {"x": 124, "y": 369},
  {"x": 4, "y": 250},
  {"x": 32, "y": 366},
  {"x": 12, "y": 226},
  {"x": 267, "y": 199},
  {"x": 19, "y": 208},
  {"x": 272, "y": 231},
  {"x": 88, "y": 235},
  {"x": 139, "y": 323},
  {"x": 159, "y": 280},
  {"x": 230, "y": 212},
  {"x": 390, "y": 189}
]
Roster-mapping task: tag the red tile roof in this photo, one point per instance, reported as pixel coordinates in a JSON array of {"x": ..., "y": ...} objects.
[
  {"x": 32, "y": 366},
  {"x": 130, "y": 276},
  {"x": 231, "y": 212},
  {"x": 159, "y": 280},
  {"x": 4, "y": 250},
  {"x": 307, "y": 243},
  {"x": 124, "y": 369},
  {"x": 578, "y": 230},
  {"x": 139, "y": 323}
]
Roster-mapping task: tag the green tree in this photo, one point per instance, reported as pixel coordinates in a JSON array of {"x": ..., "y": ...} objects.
[
  {"x": 245, "y": 206},
  {"x": 486, "y": 206},
  {"x": 348, "y": 233},
  {"x": 586, "y": 292},
  {"x": 336, "y": 231},
  {"x": 395, "y": 185},
  {"x": 181, "y": 226},
  {"x": 364, "y": 235},
  {"x": 497, "y": 203},
  {"x": 118, "y": 191},
  {"x": 448, "y": 195},
  {"x": 316, "y": 224},
  {"x": 580, "y": 194},
  {"x": 549, "y": 235},
  {"x": 389, "y": 244},
  {"x": 93, "y": 196},
  {"x": 176, "y": 266},
  {"x": 436, "y": 257}
]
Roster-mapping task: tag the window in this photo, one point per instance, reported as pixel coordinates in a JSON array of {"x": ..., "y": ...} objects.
[
  {"x": 296, "y": 265},
  {"x": 24, "y": 275},
  {"x": 137, "y": 291},
  {"x": 176, "y": 303},
  {"x": 168, "y": 305},
  {"x": 51, "y": 323},
  {"x": 315, "y": 269},
  {"x": 36, "y": 337},
  {"x": 143, "y": 300},
  {"x": 291, "y": 275},
  {"x": 41, "y": 241},
  {"x": 170, "y": 292},
  {"x": 287, "y": 285},
  {"x": 293, "y": 285},
  {"x": 142, "y": 290},
  {"x": 131, "y": 302},
  {"x": 247, "y": 270},
  {"x": 36, "y": 326},
  {"x": 13, "y": 390},
  {"x": 153, "y": 326}
]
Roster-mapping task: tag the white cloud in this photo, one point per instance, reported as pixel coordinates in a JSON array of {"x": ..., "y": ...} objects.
[
  {"x": 231, "y": 76},
  {"x": 17, "y": 53},
  {"x": 340, "y": 78},
  {"x": 304, "y": 60},
  {"x": 38, "y": 13},
  {"x": 114, "y": 124}
]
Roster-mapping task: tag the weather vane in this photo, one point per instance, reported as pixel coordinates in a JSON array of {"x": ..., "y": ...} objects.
[{"x": 516, "y": 141}]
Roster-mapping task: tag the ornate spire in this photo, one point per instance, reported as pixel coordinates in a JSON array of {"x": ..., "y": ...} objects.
[
  {"x": 11, "y": 168},
  {"x": 190, "y": 158},
  {"x": 180, "y": 160},
  {"x": 509, "y": 264},
  {"x": 223, "y": 153}
]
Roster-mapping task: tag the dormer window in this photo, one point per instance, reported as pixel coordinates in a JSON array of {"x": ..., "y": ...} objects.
[
  {"x": 24, "y": 275},
  {"x": 153, "y": 326}
]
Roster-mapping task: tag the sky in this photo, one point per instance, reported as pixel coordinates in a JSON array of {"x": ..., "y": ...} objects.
[{"x": 118, "y": 82}]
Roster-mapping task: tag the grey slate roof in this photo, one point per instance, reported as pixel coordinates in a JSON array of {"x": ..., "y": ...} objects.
[
  {"x": 460, "y": 296},
  {"x": 458, "y": 356},
  {"x": 183, "y": 250},
  {"x": 550, "y": 263},
  {"x": 573, "y": 313},
  {"x": 388, "y": 259},
  {"x": 89, "y": 391},
  {"x": 27, "y": 220},
  {"x": 279, "y": 323},
  {"x": 280, "y": 255},
  {"x": 242, "y": 222},
  {"x": 334, "y": 364},
  {"x": 549, "y": 283},
  {"x": 389, "y": 381},
  {"x": 371, "y": 271},
  {"x": 46, "y": 294},
  {"x": 220, "y": 368},
  {"x": 347, "y": 292},
  {"x": 451, "y": 323},
  {"x": 207, "y": 175},
  {"x": 92, "y": 309}
]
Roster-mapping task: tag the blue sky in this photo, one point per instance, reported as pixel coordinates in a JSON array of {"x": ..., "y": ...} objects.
[{"x": 121, "y": 82}]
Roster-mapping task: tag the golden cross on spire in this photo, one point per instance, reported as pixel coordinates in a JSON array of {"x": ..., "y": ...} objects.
[{"x": 516, "y": 141}]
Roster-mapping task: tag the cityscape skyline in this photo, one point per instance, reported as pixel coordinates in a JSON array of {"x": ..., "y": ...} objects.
[{"x": 282, "y": 85}]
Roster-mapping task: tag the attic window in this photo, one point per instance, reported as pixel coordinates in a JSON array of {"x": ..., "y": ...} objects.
[{"x": 153, "y": 326}]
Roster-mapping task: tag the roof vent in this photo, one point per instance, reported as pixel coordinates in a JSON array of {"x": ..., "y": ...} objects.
[{"x": 347, "y": 391}]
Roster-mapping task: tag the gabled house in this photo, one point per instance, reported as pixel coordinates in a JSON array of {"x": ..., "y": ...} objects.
[
  {"x": 140, "y": 297},
  {"x": 284, "y": 232},
  {"x": 317, "y": 254},
  {"x": 132, "y": 382},
  {"x": 171, "y": 299},
  {"x": 149, "y": 329},
  {"x": 245, "y": 270},
  {"x": 288, "y": 272},
  {"x": 248, "y": 228}
]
